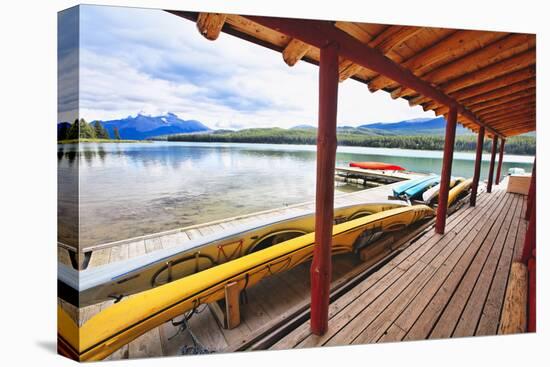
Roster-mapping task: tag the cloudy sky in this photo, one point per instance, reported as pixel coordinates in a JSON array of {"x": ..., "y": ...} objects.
[{"x": 152, "y": 62}]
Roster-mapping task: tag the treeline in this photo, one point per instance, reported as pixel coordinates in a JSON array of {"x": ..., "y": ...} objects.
[
  {"x": 521, "y": 145},
  {"x": 80, "y": 129}
]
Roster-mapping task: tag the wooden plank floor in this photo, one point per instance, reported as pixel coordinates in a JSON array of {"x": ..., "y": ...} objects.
[
  {"x": 441, "y": 286},
  {"x": 282, "y": 292}
]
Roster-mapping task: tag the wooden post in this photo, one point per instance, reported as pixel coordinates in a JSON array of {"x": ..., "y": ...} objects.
[
  {"x": 492, "y": 164},
  {"x": 514, "y": 310},
  {"x": 477, "y": 167},
  {"x": 531, "y": 194},
  {"x": 500, "y": 157},
  {"x": 321, "y": 266},
  {"x": 450, "y": 131},
  {"x": 532, "y": 301},
  {"x": 232, "y": 308},
  {"x": 529, "y": 243}
]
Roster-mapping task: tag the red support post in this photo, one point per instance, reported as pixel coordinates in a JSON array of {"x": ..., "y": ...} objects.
[
  {"x": 531, "y": 194},
  {"x": 500, "y": 157},
  {"x": 477, "y": 167},
  {"x": 529, "y": 244},
  {"x": 450, "y": 132},
  {"x": 321, "y": 267},
  {"x": 492, "y": 164},
  {"x": 532, "y": 291}
]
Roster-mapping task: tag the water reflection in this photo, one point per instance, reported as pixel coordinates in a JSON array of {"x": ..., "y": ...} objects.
[{"x": 128, "y": 190}]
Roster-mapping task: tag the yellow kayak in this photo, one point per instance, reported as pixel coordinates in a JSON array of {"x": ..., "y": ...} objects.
[
  {"x": 457, "y": 190},
  {"x": 123, "y": 322},
  {"x": 123, "y": 278}
]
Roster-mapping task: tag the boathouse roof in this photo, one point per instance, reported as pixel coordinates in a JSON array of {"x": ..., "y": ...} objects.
[{"x": 490, "y": 77}]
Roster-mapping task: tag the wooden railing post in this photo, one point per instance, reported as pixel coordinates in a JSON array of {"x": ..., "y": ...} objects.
[
  {"x": 531, "y": 194},
  {"x": 448, "y": 150},
  {"x": 492, "y": 164},
  {"x": 477, "y": 167},
  {"x": 321, "y": 266},
  {"x": 500, "y": 157}
]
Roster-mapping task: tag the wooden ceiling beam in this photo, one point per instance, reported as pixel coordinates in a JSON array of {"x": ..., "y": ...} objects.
[
  {"x": 501, "y": 92},
  {"x": 385, "y": 42},
  {"x": 482, "y": 105},
  {"x": 453, "y": 46},
  {"x": 294, "y": 51},
  {"x": 495, "y": 121},
  {"x": 322, "y": 33},
  {"x": 210, "y": 25},
  {"x": 506, "y": 111},
  {"x": 519, "y": 131},
  {"x": 520, "y": 61},
  {"x": 493, "y": 84},
  {"x": 493, "y": 53},
  {"x": 504, "y": 99},
  {"x": 515, "y": 103},
  {"x": 512, "y": 117},
  {"x": 494, "y": 94},
  {"x": 512, "y": 64}
]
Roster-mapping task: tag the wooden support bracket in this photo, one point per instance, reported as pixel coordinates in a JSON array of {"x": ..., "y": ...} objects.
[{"x": 227, "y": 311}]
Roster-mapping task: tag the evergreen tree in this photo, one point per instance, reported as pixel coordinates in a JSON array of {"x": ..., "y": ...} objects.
[
  {"x": 73, "y": 130},
  {"x": 116, "y": 134},
  {"x": 85, "y": 130},
  {"x": 100, "y": 131}
]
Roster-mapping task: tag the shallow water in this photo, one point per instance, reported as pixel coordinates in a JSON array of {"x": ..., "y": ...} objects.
[{"x": 127, "y": 190}]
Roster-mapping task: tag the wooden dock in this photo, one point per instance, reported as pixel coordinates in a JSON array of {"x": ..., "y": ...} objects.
[
  {"x": 441, "y": 286},
  {"x": 432, "y": 286},
  {"x": 368, "y": 177}
]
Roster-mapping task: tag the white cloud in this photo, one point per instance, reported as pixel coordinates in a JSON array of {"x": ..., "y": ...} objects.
[{"x": 155, "y": 62}]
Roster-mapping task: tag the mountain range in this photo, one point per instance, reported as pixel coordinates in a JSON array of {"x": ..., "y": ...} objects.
[
  {"x": 420, "y": 126},
  {"x": 141, "y": 127}
]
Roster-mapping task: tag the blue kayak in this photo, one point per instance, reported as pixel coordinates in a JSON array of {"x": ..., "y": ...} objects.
[
  {"x": 400, "y": 190},
  {"x": 416, "y": 191}
]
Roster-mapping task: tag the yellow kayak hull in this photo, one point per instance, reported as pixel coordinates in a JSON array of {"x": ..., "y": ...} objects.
[
  {"x": 121, "y": 323},
  {"x": 458, "y": 189}
]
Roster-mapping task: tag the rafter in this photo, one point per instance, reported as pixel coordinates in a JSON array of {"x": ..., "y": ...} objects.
[
  {"x": 294, "y": 51},
  {"x": 494, "y": 94},
  {"x": 491, "y": 119},
  {"x": 453, "y": 46},
  {"x": 504, "y": 99},
  {"x": 495, "y": 102},
  {"x": 505, "y": 111},
  {"x": 496, "y": 83},
  {"x": 493, "y": 53},
  {"x": 322, "y": 33},
  {"x": 210, "y": 24},
  {"x": 516, "y": 103},
  {"x": 385, "y": 42},
  {"x": 492, "y": 71},
  {"x": 512, "y": 117},
  {"x": 518, "y": 131}
]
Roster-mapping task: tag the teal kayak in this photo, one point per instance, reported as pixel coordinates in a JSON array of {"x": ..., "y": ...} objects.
[
  {"x": 416, "y": 191},
  {"x": 400, "y": 190}
]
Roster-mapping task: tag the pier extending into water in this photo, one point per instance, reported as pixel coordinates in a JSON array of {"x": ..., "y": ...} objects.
[{"x": 416, "y": 284}]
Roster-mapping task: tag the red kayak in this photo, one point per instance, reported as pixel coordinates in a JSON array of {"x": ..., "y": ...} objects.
[{"x": 377, "y": 165}]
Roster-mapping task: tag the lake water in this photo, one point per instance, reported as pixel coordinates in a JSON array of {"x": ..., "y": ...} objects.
[{"x": 128, "y": 190}]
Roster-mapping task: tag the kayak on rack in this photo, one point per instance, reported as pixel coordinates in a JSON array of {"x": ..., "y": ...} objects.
[
  {"x": 431, "y": 194},
  {"x": 126, "y": 320},
  {"x": 377, "y": 166},
  {"x": 119, "y": 279}
]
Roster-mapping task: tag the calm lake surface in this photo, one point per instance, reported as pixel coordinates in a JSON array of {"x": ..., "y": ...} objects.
[{"x": 128, "y": 190}]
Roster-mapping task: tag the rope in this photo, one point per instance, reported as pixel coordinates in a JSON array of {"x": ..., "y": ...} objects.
[{"x": 197, "y": 347}]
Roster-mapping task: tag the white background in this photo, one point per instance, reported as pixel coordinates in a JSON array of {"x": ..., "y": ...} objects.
[{"x": 28, "y": 112}]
